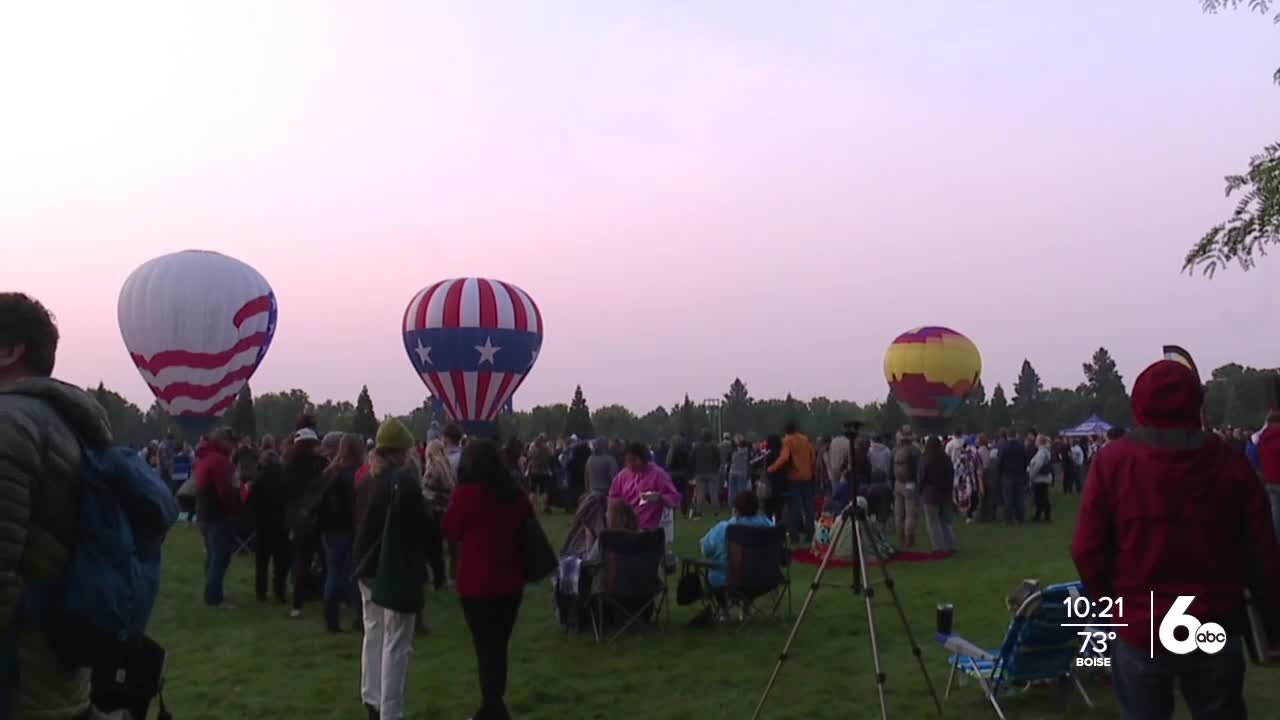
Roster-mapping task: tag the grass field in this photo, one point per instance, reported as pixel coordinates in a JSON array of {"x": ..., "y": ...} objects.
[{"x": 256, "y": 663}]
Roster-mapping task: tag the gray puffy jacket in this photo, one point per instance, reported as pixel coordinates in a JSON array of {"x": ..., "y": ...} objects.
[{"x": 40, "y": 421}]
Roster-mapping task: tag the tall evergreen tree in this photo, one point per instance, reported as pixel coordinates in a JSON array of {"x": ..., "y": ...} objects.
[
  {"x": 1028, "y": 398},
  {"x": 687, "y": 418},
  {"x": 735, "y": 413},
  {"x": 243, "y": 420},
  {"x": 998, "y": 417},
  {"x": 365, "y": 422},
  {"x": 578, "y": 421},
  {"x": 1104, "y": 389}
]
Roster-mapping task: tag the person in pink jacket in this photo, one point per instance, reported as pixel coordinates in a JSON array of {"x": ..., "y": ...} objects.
[{"x": 644, "y": 486}]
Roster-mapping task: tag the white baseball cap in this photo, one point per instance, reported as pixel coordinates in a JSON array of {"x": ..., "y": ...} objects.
[{"x": 306, "y": 434}]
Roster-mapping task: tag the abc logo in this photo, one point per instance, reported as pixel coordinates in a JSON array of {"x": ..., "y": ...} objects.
[{"x": 1209, "y": 637}]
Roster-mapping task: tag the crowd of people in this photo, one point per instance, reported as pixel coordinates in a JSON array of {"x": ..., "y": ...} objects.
[{"x": 367, "y": 523}]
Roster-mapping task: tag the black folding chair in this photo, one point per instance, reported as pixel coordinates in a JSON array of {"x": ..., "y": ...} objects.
[
  {"x": 759, "y": 567},
  {"x": 633, "y": 586}
]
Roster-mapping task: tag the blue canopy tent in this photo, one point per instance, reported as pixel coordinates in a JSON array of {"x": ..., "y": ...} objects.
[{"x": 1093, "y": 426}]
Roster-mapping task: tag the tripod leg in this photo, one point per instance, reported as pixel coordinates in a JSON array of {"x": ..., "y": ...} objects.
[
  {"x": 795, "y": 628},
  {"x": 869, "y": 595},
  {"x": 906, "y": 624}
]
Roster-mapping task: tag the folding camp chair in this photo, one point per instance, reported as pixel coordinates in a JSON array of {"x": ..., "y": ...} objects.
[
  {"x": 1036, "y": 648},
  {"x": 246, "y": 534},
  {"x": 633, "y": 583},
  {"x": 759, "y": 567}
]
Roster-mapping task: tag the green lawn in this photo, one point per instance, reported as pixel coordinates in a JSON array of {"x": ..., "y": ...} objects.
[{"x": 256, "y": 663}]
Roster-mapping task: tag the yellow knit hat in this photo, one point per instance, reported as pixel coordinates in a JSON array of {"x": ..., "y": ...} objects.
[{"x": 393, "y": 435}]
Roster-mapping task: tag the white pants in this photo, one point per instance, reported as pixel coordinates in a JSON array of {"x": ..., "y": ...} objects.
[{"x": 384, "y": 659}]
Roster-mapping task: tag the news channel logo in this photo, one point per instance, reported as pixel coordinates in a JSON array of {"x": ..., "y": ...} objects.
[{"x": 1209, "y": 638}]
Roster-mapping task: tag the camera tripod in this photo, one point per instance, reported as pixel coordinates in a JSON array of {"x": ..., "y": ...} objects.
[{"x": 856, "y": 517}]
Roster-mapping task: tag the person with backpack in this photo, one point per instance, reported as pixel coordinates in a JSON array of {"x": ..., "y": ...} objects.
[
  {"x": 42, "y": 425},
  {"x": 59, "y": 476},
  {"x": 217, "y": 504},
  {"x": 390, "y": 568}
]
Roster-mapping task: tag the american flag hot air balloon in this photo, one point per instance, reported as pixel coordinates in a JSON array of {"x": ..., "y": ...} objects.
[
  {"x": 472, "y": 341},
  {"x": 197, "y": 325}
]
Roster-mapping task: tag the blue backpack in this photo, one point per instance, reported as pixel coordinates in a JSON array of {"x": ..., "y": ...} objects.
[{"x": 97, "y": 613}]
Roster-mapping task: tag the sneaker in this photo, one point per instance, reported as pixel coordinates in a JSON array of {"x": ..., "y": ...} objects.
[
  {"x": 225, "y": 606},
  {"x": 295, "y": 614}
]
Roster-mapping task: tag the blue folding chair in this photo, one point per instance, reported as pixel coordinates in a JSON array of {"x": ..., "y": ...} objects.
[{"x": 1036, "y": 648}]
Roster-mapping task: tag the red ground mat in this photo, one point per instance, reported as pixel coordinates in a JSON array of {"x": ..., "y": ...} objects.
[{"x": 805, "y": 556}]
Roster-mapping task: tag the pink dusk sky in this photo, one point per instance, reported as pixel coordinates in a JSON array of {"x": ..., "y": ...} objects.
[{"x": 690, "y": 191}]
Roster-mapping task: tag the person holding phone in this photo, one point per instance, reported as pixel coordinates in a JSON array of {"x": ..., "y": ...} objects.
[{"x": 644, "y": 486}]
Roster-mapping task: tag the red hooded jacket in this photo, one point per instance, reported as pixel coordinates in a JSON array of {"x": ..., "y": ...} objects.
[{"x": 1172, "y": 510}]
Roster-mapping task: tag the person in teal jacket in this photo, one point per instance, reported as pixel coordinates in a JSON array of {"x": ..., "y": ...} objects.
[{"x": 715, "y": 544}]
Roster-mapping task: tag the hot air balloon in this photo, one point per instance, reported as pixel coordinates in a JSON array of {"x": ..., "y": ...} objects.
[
  {"x": 472, "y": 341},
  {"x": 197, "y": 325},
  {"x": 931, "y": 370}
]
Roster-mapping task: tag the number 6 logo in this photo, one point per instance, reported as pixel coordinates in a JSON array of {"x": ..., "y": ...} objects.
[{"x": 1209, "y": 637}]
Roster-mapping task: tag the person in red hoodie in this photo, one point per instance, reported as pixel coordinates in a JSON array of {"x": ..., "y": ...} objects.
[
  {"x": 1269, "y": 460},
  {"x": 217, "y": 503},
  {"x": 485, "y": 516},
  {"x": 1170, "y": 510}
]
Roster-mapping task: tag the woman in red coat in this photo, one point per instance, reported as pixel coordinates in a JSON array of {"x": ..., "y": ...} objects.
[{"x": 485, "y": 517}]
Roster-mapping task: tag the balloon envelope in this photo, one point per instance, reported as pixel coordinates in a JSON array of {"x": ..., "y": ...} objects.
[
  {"x": 197, "y": 325},
  {"x": 472, "y": 341},
  {"x": 931, "y": 370}
]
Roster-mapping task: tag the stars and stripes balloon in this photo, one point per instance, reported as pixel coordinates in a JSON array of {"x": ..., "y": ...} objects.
[
  {"x": 472, "y": 341},
  {"x": 197, "y": 325},
  {"x": 931, "y": 370}
]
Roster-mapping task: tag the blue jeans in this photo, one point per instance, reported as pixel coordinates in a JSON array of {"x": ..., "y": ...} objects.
[
  {"x": 219, "y": 543},
  {"x": 801, "y": 509},
  {"x": 1273, "y": 492},
  {"x": 738, "y": 484},
  {"x": 337, "y": 556},
  {"x": 1015, "y": 498},
  {"x": 1212, "y": 685}
]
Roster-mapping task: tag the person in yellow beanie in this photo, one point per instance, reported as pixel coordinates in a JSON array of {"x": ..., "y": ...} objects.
[{"x": 390, "y": 567}]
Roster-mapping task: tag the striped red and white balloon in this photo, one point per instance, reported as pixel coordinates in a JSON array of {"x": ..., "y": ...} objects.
[
  {"x": 472, "y": 341},
  {"x": 197, "y": 325}
]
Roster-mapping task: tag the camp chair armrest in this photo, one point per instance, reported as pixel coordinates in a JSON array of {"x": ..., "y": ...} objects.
[
  {"x": 964, "y": 648},
  {"x": 700, "y": 563}
]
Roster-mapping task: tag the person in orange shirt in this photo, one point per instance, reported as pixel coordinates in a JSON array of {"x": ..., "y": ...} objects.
[{"x": 798, "y": 460}]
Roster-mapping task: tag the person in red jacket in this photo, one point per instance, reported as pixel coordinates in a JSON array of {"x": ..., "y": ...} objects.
[
  {"x": 1269, "y": 461},
  {"x": 1170, "y": 510},
  {"x": 485, "y": 517},
  {"x": 217, "y": 503}
]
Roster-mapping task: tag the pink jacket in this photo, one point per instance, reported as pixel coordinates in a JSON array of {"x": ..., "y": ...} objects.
[{"x": 630, "y": 487}]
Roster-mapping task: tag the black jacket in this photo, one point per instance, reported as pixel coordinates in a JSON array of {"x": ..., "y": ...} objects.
[
  {"x": 1012, "y": 459},
  {"x": 337, "y": 505},
  {"x": 373, "y": 499},
  {"x": 706, "y": 458},
  {"x": 304, "y": 478},
  {"x": 269, "y": 498}
]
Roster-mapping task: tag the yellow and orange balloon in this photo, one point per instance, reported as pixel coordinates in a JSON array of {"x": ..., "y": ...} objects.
[{"x": 931, "y": 371}]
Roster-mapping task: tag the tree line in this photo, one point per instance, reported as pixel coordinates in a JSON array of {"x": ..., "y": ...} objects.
[{"x": 1235, "y": 397}]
